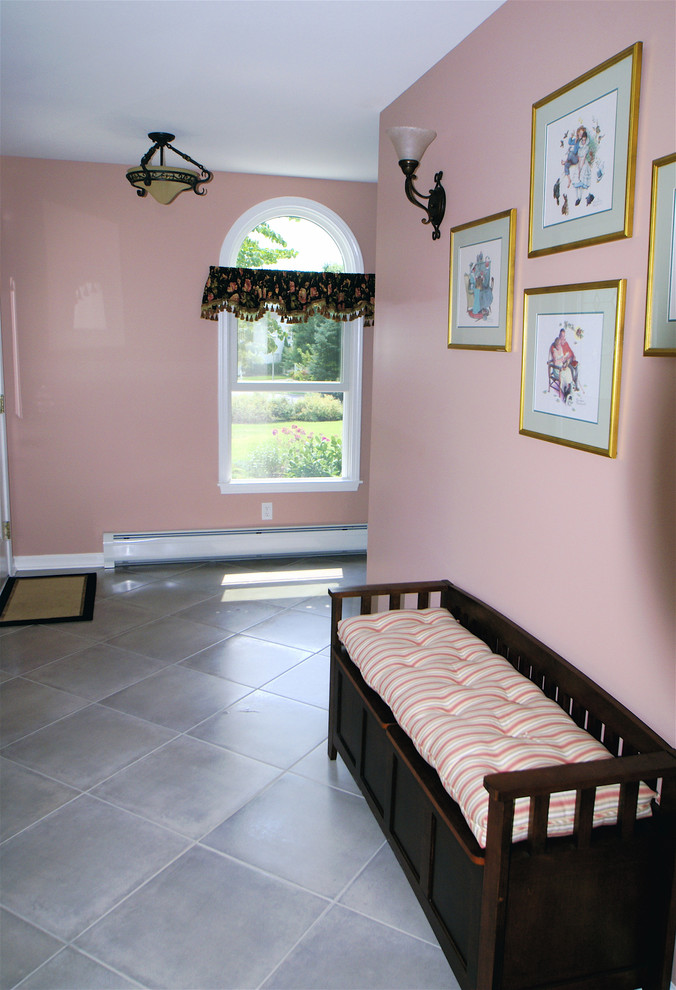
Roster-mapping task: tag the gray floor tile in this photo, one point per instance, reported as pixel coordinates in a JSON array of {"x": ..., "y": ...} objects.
[
  {"x": 235, "y": 616},
  {"x": 27, "y": 707},
  {"x": 30, "y": 647},
  {"x": 23, "y": 947},
  {"x": 215, "y": 925},
  {"x": 26, "y": 797},
  {"x": 167, "y": 596},
  {"x": 219, "y": 613},
  {"x": 247, "y": 660},
  {"x": 308, "y": 681},
  {"x": 317, "y": 766},
  {"x": 208, "y": 576},
  {"x": 71, "y": 970},
  {"x": 65, "y": 872},
  {"x": 382, "y": 892},
  {"x": 267, "y": 727},
  {"x": 111, "y": 617},
  {"x": 319, "y": 605},
  {"x": 168, "y": 640},
  {"x": 96, "y": 671},
  {"x": 89, "y": 746},
  {"x": 177, "y": 697},
  {"x": 116, "y": 581},
  {"x": 294, "y": 628},
  {"x": 188, "y": 786},
  {"x": 313, "y": 835},
  {"x": 345, "y": 951}
]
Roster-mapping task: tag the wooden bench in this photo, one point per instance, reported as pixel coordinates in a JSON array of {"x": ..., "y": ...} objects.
[{"x": 595, "y": 910}]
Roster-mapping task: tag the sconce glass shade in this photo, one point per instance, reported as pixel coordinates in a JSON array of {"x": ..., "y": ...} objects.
[
  {"x": 166, "y": 183},
  {"x": 410, "y": 143}
]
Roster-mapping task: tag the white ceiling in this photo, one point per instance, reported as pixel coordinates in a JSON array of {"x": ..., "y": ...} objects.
[{"x": 285, "y": 87}]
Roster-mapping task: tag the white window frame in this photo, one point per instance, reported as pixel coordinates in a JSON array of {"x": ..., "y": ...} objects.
[{"x": 352, "y": 355}]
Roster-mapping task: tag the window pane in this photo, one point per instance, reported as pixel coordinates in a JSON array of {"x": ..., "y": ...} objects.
[
  {"x": 269, "y": 350},
  {"x": 286, "y": 435}
]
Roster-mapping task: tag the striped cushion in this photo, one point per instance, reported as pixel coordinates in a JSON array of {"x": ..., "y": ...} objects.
[{"x": 469, "y": 713}]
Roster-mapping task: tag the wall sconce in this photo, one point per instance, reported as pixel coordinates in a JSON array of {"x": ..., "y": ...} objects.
[
  {"x": 163, "y": 182},
  {"x": 410, "y": 143}
]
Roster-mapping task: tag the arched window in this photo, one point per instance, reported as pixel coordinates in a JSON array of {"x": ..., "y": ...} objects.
[{"x": 290, "y": 394}]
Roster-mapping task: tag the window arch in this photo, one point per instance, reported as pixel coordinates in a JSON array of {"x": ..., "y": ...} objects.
[{"x": 283, "y": 427}]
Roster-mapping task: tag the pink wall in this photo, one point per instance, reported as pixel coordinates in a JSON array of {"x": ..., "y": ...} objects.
[
  {"x": 576, "y": 547},
  {"x": 118, "y": 373}
]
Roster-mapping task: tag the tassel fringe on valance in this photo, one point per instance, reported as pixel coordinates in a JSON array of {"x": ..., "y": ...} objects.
[{"x": 249, "y": 293}]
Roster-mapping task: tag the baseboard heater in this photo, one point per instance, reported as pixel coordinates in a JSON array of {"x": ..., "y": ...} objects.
[{"x": 279, "y": 541}]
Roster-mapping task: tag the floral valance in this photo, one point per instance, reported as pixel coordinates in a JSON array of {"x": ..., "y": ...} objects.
[{"x": 295, "y": 296}]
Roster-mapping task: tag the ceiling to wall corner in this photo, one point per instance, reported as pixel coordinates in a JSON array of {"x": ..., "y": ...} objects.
[{"x": 279, "y": 87}]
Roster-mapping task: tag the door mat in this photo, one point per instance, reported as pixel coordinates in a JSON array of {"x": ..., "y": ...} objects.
[{"x": 59, "y": 598}]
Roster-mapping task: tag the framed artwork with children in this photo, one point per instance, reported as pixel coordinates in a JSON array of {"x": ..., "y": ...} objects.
[
  {"x": 481, "y": 283},
  {"x": 571, "y": 364},
  {"x": 583, "y": 157}
]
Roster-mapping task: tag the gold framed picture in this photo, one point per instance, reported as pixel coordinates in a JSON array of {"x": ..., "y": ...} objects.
[
  {"x": 583, "y": 158},
  {"x": 481, "y": 283},
  {"x": 571, "y": 364},
  {"x": 660, "y": 311}
]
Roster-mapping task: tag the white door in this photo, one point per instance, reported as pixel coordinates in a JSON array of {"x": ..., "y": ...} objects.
[{"x": 6, "y": 563}]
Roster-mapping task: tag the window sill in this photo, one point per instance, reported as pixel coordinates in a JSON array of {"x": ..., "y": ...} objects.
[{"x": 279, "y": 485}]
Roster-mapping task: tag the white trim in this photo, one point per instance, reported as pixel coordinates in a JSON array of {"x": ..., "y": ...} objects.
[
  {"x": 59, "y": 562},
  {"x": 233, "y": 543},
  {"x": 350, "y": 251},
  {"x": 279, "y": 485}
]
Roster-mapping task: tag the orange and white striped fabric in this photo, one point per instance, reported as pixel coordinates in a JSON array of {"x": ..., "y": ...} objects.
[{"x": 468, "y": 712}]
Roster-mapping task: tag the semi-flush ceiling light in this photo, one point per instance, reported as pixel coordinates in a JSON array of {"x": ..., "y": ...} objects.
[
  {"x": 410, "y": 143},
  {"x": 163, "y": 182}
]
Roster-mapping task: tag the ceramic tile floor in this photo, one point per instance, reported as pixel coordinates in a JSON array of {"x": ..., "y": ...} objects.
[{"x": 169, "y": 816}]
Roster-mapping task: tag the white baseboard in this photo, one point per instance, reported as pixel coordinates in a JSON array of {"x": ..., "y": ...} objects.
[
  {"x": 59, "y": 562},
  {"x": 150, "y": 548},
  {"x": 129, "y": 548}
]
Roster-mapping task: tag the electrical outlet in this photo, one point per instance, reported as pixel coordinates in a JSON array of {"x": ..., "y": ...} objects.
[{"x": 266, "y": 510}]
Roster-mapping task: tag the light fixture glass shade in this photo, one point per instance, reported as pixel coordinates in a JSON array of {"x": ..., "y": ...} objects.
[
  {"x": 166, "y": 182},
  {"x": 410, "y": 143}
]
